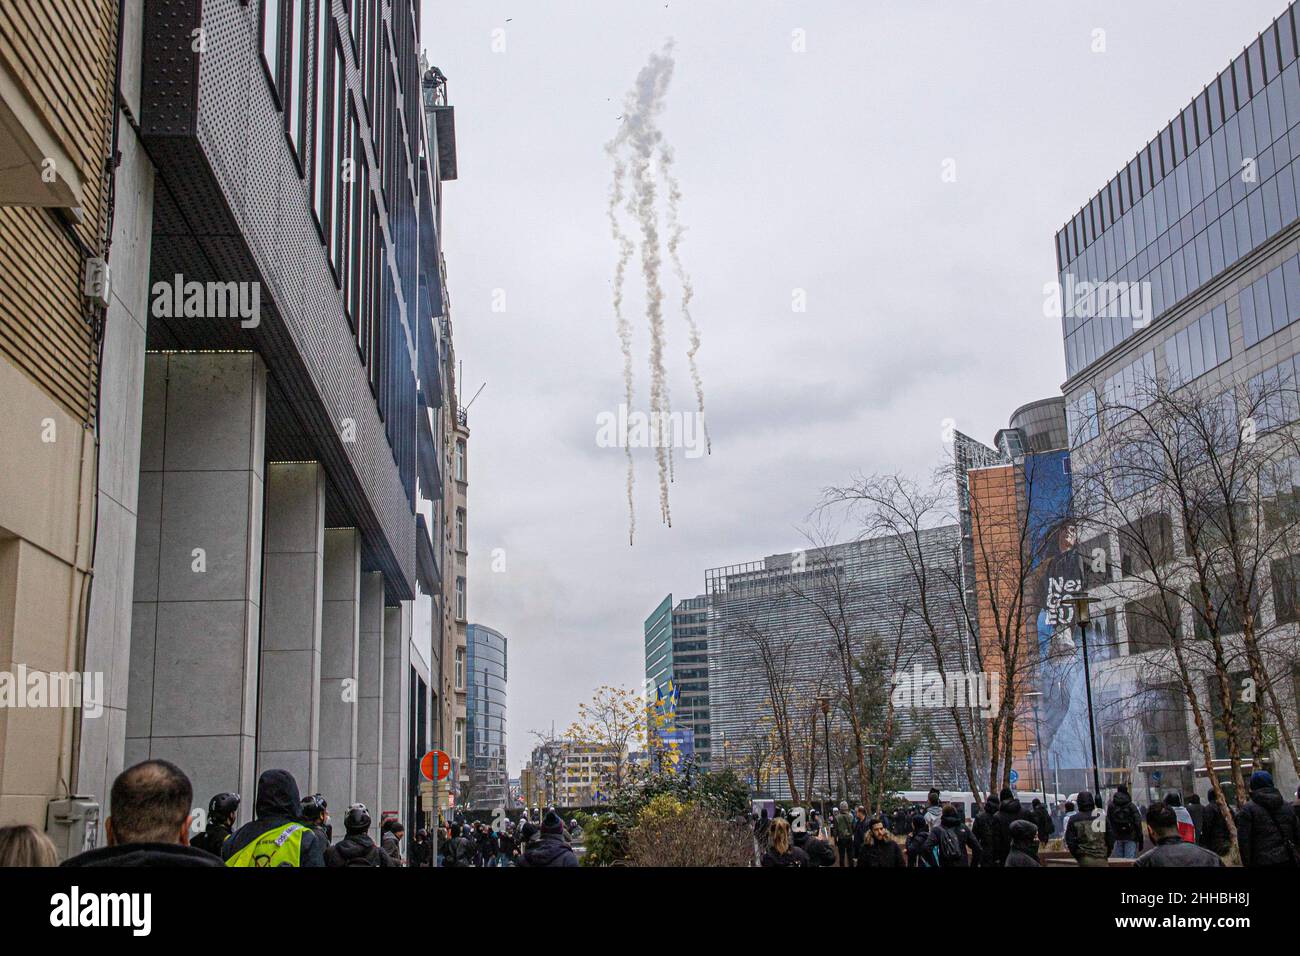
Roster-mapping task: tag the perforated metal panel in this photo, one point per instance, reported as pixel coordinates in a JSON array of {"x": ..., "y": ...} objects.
[{"x": 232, "y": 206}]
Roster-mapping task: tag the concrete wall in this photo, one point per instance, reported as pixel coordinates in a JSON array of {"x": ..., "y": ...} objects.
[
  {"x": 194, "y": 641},
  {"x": 340, "y": 633}
]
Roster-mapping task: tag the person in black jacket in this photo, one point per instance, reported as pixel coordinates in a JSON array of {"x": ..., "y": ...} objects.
[
  {"x": 916, "y": 841},
  {"x": 1215, "y": 836},
  {"x": 356, "y": 848},
  {"x": 1196, "y": 810},
  {"x": 782, "y": 851},
  {"x": 1042, "y": 819},
  {"x": 951, "y": 844},
  {"x": 819, "y": 851},
  {"x": 149, "y": 821},
  {"x": 1009, "y": 811},
  {"x": 277, "y": 804},
  {"x": 1167, "y": 847},
  {"x": 222, "y": 810},
  {"x": 315, "y": 813},
  {"x": 1125, "y": 824},
  {"x": 458, "y": 850},
  {"x": 879, "y": 849},
  {"x": 552, "y": 849},
  {"x": 982, "y": 828},
  {"x": 860, "y": 827},
  {"x": 1266, "y": 826},
  {"x": 1024, "y": 844}
]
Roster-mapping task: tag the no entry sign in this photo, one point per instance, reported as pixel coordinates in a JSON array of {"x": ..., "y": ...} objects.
[{"x": 435, "y": 765}]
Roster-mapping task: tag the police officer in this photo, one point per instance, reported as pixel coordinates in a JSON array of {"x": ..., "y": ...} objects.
[
  {"x": 276, "y": 837},
  {"x": 221, "y": 819}
]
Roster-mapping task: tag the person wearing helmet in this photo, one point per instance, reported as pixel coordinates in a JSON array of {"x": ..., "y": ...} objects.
[
  {"x": 356, "y": 848},
  {"x": 277, "y": 836},
  {"x": 221, "y": 821},
  {"x": 315, "y": 813}
]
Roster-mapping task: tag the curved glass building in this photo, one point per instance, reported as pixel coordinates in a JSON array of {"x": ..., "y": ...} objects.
[{"x": 486, "y": 718}]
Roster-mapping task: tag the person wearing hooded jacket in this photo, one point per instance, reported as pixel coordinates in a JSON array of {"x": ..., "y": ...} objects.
[
  {"x": 552, "y": 849},
  {"x": 983, "y": 830},
  {"x": 819, "y": 851},
  {"x": 356, "y": 848},
  {"x": 879, "y": 849},
  {"x": 1024, "y": 844},
  {"x": 916, "y": 840},
  {"x": 953, "y": 833},
  {"x": 277, "y": 836},
  {"x": 1087, "y": 837},
  {"x": 459, "y": 849},
  {"x": 1125, "y": 824},
  {"x": 1009, "y": 810},
  {"x": 1266, "y": 826}
]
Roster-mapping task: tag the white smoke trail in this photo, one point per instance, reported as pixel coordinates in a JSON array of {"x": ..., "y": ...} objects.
[
  {"x": 623, "y": 325},
  {"x": 641, "y": 132},
  {"x": 675, "y": 231}
]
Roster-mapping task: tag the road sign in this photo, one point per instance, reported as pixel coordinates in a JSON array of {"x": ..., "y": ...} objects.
[
  {"x": 435, "y": 765},
  {"x": 1015, "y": 775}
]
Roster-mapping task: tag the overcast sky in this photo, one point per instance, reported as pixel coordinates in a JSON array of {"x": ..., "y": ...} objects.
[{"x": 818, "y": 171}]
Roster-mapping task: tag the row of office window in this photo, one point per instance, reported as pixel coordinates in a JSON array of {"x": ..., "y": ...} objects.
[
  {"x": 334, "y": 154},
  {"x": 1201, "y": 346},
  {"x": 1271, "y": 303},
  {"x": 1215, "y": 184}
]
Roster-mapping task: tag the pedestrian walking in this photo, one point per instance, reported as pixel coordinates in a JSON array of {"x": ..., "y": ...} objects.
[
  {"x": 1266, "y": 826},
  {"x": 1024, "y": 844},
  {"x": 1125, "y": 824},
  {"x": 277, "y": 836},
  {"x": 781, "y": 850},
  {"x": 356, "y": 848},
  {"x": 1088, "y": 838},
  {"x": 551, "y": 849},
  {"x": 222, "y": 810},
  {"x": 950, "y": 844}
]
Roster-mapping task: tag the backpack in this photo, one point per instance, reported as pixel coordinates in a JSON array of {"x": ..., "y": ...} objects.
[
  {"x": 370, "y": 858},
  {"x": 1124, "y": 820},
  {"x": 949, "y": 846}
]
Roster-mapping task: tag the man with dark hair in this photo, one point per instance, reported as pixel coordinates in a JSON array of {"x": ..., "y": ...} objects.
[
  {"x": 1168, "y": 848},
  {"x": 933, "y": 810},
  {"x": 149, "y": 821}
]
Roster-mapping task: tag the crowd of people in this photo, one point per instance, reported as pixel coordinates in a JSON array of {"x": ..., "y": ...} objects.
[
  {"x": 1006, "y": 832},
  {"x": 150, "y": 820}
]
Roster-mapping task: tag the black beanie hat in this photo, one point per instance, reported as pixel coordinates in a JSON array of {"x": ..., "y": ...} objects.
[{"x": 552, "y": 823}]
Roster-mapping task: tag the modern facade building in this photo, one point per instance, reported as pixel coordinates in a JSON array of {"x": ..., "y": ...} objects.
[
  {"x": 266, "y": 357},
  {"x": 1201, "y": 226},
  {"x": 570, "y": 773},
  {"x": 677, "y": 650},
  {"x": 487, "y": 660},
  {"x": 765, "y": 617}
]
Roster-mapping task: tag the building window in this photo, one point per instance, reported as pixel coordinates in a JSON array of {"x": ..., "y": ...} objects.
[
  {"x": 460, "y": 668},
  {"x": 460, "y": 529},
  {"x": 460, "y": 598},
  {"x": 460, "y": 459},
  {"x": 272, "y": 14},
  {"x": 459, "y": 744},
  {"x": 321, "y": 124},
  {"x": 295, "y": 88},
  {"x": 338, "y": 195}
]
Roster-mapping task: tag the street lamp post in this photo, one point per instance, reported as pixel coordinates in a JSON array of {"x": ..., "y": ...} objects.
[
  {"x": 1081, "y": 601},
  {"x": 826, "y": 731},
  {"x": 1038, "y": 745}
]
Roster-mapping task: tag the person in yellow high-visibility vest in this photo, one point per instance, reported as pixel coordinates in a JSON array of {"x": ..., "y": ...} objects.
[{"x": 277, "y": 836}]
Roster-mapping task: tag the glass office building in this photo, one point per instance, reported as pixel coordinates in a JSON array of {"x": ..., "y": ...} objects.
[
  {"x": 1211, "y": 191},
  {"x": 486, "y": 712},
  {"x": 1201, "y": 232}
]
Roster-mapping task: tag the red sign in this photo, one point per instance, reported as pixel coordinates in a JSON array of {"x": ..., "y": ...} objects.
[{"x": 435, "y": 765}]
